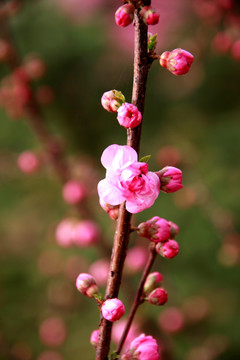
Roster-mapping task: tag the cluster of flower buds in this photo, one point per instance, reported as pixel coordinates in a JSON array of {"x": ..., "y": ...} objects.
[
  {"x": 125, "y": 14},
  {"x": 80, "y": 233},
  {"x": 177, "y": 61},
  {"x": 128, "y": 114},
  {"x": 170, "y": 179},
  {"x": 154, "y": 294},
  {"x": 161, "y": 232},
  {"x": 142, "y": 348}
]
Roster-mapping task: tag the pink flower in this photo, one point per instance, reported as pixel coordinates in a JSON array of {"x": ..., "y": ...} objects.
[
  {"x": 142, "y": 348},
  {"x": 177, "y": 61},
  {"x": 94, "y": 338},
  {"x": 171, "y": 320},
  {"x": 53, "y": 331},
  {"x": 168, "y": 249},
  {"x": 28, "y": 162},
  {"x": 113, "y": 309},
  {"x": 86, "y": 284},
  {"x": 86, "y": 233},
  {"x": 73, "y": 192},
  {"x": 129, "y": 116},
  {"x": 99, "y": 270},
  {"x": 136, "y": 258},
  {"x": 149, "y": 15},
  {"x": 127, "y": 180},
  {"x": 112, "y": 100},
  {"x": 156, "y": 229},
  {"x": 64, "y": 233},
  {"x": 118, "y": 329},
  {"x": 170, "y": 179},
  {"x": 158, "y": 297},
  {"x": 152, "y": 280},
  {"x": 124, "y": 15}
]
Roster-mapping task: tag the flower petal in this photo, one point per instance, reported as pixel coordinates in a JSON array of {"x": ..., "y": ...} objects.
[
  {"x": 109, "y": 193},
  {"x": 116, "y": 157}
]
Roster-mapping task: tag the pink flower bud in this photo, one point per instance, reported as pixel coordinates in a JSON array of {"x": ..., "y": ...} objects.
[
  {"x": 174, "y": 230},
  {"x": 112, "y": 210},
  {"x": 170, "y": 179},
  {"x": 99, "y": 270},
  {"x": 73, "y": 192},
  {"x": 64, "y": 232},
  {"x": 86, "y": 284},
  {"x": 86, "y": 233},
  {"x": 142, "y": 348},
  {"x": 113, "y": 309},
  {"x": 94, "y": 338},
  {"x": 129, "y": 116},
  {"x": 158, "y": 297},
  {"x": 136, "y": 258},
  {"x": 152, "y": 280},
  {"x": 112, "y": 100},
  {"x": 124, "y": 15},
  {"x": 28, "y": 162},
  {"x": 156, "y": 229},
  {"x": 177, "y": 61},
  {"x": 149, "y": 15},
  {"x": 168, "y": 249}
]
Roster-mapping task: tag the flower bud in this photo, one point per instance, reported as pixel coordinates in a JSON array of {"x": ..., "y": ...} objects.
[
  {"x": 129, "y": 116},
  {"x": 152, "y": 280},
  {"x": 124, "y": 15},
  {"x": 174, "y": 230},
  {"x": 149, "y": 15},
  {"x": 177, "y": 61},
  {"x": 156, "y": 229},
  {"x": 112, "y": 210},
  {"x": 86, "y": 284},
  {"x": 28, "y": 162},
  {"x": 142, "y": 348},
  {"x": 73, "y": 192},
  {"x": 170, "y": 179},
  {"x": 168, "y": 249},
  {"x": 113, "y": 309},
  {"x": 158, "y": 297},
  {"x": 152, "y": 42},
  {"x": 94, "y": 338},
  {"x": 64, "y": 232},
  {"x": 112, "y": 100}
]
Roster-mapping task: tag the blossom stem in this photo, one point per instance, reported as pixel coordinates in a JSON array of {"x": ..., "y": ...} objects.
[
  {"x": 121, "y": 238},
  {"x": 138, "y": 298}
]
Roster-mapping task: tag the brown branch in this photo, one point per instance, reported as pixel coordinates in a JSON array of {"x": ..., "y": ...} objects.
[
  {"x": 138, "y": 299},
  {"x": 121, "y": 238}
]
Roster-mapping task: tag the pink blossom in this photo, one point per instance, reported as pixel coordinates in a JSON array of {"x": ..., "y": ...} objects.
[
  {"x": 152, "y": 280},
  {"x": 168, "y": 249},
  {"x": 99, "y": 270},
  {"x": 177, "y": 61},
  {"x": 129, "y": 116},
  {"x": 94, "y": 338},
  {"x": 142, "y": 348},
  {"x": 174, "y": 229},
  {"x": 53, "y": 331},
  {"x": 170, "y": 179},
  {"x": 171, "y": 320},
  {"x": 156, "y": 229},
  {"x": 64, "y": 232},
  {"x": 149, "y": 15},
  {"x": 86, "y": 284},
  {"x": 86, "y": 233},
  {"x": 112, "y": 100},
  {"x": 127, "y": 180},
  {"x": 124, "y": 15},
  {"x": 158, "y": 297},
  {"x": 136, "y": 258},
  {"x": 28, "y": 162},
  {"x": 113, "y": 309},
  {"x": 118, "y": 329},
  {"x": 73, "y": 192}
]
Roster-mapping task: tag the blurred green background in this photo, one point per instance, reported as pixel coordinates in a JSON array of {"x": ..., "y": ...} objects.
[{"x": 191, "y": 122}]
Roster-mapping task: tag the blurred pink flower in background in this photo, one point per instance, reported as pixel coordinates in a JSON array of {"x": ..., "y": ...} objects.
[
  {"x": 136, "y": 258},
  {"x": 99, "y": 270},
  {"x": 86, "y": 233},
  {"x": 28, "y": 162},
  {"x": 79, "y": 10},
  {"x": 118, "y": 329},
  {"x": 53, "y": 331},
  {"x": 64, "y": 232},
  {"x": 50, "y": 355},
  {"x": 171, "y": 320}
]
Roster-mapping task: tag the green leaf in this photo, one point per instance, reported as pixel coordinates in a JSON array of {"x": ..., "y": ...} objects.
[
  {"x": 114, "y": 356},
  {"x": 152, "y": 43},
  {"x": 145, "y": 158}
]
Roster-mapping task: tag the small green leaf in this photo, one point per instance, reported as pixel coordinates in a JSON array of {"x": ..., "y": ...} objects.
[
  {"x": 145, "y": 158},
  {"x": 152, "y": 43},
  {"x": 114, "y": 356}
]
